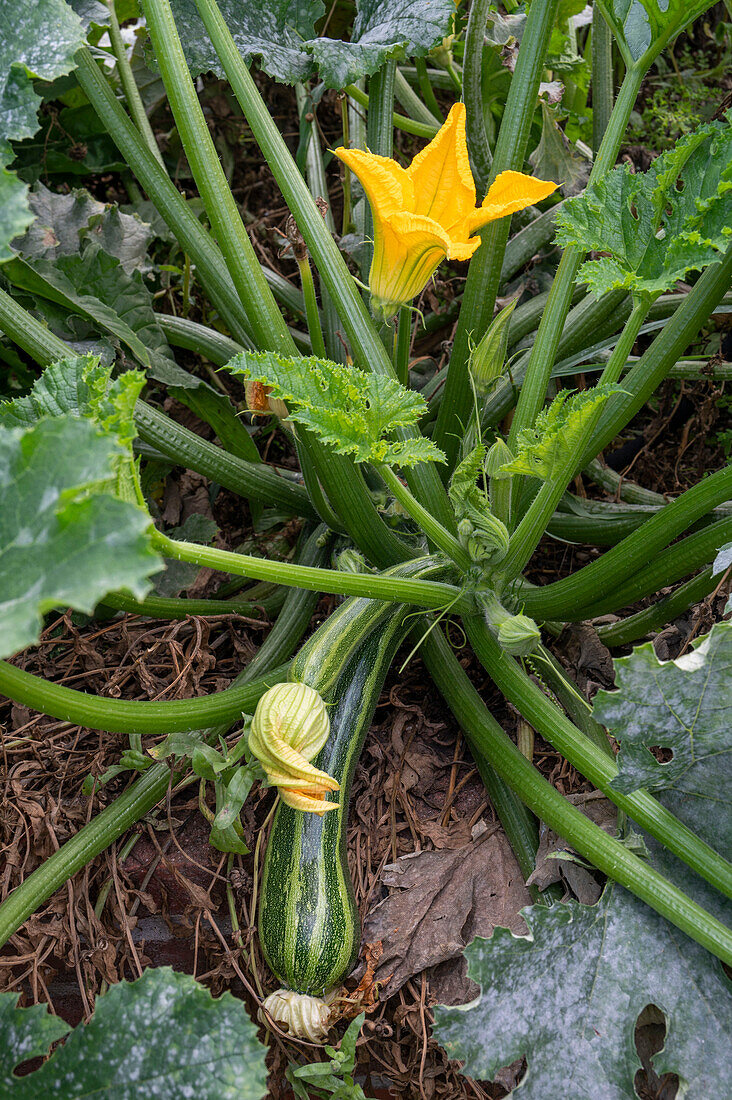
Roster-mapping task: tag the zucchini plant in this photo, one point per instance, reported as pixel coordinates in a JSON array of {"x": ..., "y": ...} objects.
[{"x": 438, "y": 491}]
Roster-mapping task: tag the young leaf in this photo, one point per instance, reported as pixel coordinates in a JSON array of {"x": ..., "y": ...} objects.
[
  {"x": 685, "y": 707},
  {"x": 543, "y": 451},
  {"x": 82, "y": 386},
  {"x": 645, "y": 27},
  {"x": 163, "y": 1037},
  {"x": 482, "y": 534},
  {"x": 656, "y": 225},
  {"x": 567, "y": 997},
  {"x": 347, "y": 408},
  {"x": 64, "y": 541},
  {"x": 95, "y": 285}
]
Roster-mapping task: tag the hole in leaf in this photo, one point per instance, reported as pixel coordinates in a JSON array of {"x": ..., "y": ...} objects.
[
  {"x": 650, "y": 1035},
  {"x": 662, "y": 754}
]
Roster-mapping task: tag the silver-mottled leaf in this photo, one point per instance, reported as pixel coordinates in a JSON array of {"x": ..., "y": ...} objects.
[{"x": 162, "y": 1037}]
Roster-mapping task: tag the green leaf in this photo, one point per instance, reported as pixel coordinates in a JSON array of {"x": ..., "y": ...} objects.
[
  {"x": 94, "y": 285},
  {"x": 350, "y": 410},
  {"x": 684, "y": 706},
  {"x": 656, "y": 225},
  {"x": 282, "y": 34},
  {"x": 382, "y": 29},
  {"x": 162, "y": 1037},
  {"x": 644, "y": 27},
  {"x": 543, "y": 451},
  {"x": 64, "y": 540},
  {"x": 82, "y": 386},
  {"x": 276, "y": 32},
  {"x": 567, "y": 998},
  {"x": 63, "y": 222},
  {"x": 38, "y": 38},
  {"x": 723, "y": 560}
]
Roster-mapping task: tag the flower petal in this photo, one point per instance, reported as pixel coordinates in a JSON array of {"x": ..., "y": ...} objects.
[
  {"x": 386, "y": 184},
  {"x": 407, "y": 249},
  {"x": 443, "y": 182},
  {"x": 509, "y": 192}
]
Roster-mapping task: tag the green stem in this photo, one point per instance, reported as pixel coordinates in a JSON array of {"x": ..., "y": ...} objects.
[
  {"x": 425, "y": 87},
  {"x": 129, "y": 87},
  {"x": 358, "y": 326},
  {"x": 169, "y": 607},
  {"x": 544, "y": 351},
  {"x": 252, "y": 480},
  {"x": 602, "y": 77},
  {"x": 660, "y": 612},
  {"x": 411, "y": 102},
  {"x": 675, "y": 562},
  {"x": 484, "y": 273},
  {"x": 401, "y": 122},
  {"x": 604, "y": 852},
  {"x": 205, "y": 341},
  {"x": 619, "y": 357},
  {"x": 124, "y": 715},
  {"x": 402, "y": 343},
  {"x": 266, "y": 321},
  {"x": 428, "y": 594},
  {"x": 479, "y": 150},
  {"x": 210, "y": 267},
  {"x": 434, "y": 530},
  {"x": 603, "y": 577},
  {"x": 592, "y": 762},
  {"x": 312, "y": 312}
]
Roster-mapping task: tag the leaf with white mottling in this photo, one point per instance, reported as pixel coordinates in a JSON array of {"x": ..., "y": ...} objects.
[
  {"x": 685, "y": 707},
  {"x": 162, "y": 1037}
]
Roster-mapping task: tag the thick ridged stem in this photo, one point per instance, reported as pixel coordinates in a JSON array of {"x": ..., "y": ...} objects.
[
  {"x": 266, "y": 321},
  {"x": 604, "y": 852},
  {"x": 479, "y": 150},
  {"x": 252, "y": 480},
  {"x": 602, "y": 77},
  {"x": 428, "y": 594},
  {"x": 673, "y": 563},
  {"x": 660, "y": 612},
  {"x": 604, "y": 577},
  {"x": 485, "y": 267}
]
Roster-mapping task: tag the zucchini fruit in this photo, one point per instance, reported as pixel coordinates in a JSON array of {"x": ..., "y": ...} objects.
[{"x": 308, "y": 923}]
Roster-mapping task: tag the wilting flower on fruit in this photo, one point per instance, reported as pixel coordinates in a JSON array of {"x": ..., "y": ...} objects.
[
  {"x": 289, "y": 728},
  {"x": 427, "y": 212}
]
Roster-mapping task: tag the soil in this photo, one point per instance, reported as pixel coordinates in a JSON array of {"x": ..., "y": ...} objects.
[{"x": 163, "y": 901}]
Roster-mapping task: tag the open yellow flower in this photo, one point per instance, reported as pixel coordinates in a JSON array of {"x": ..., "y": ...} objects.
[{"x": 427, "y": 212}]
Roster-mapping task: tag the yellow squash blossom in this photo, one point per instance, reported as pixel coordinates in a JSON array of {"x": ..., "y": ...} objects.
[{"x": 427, "y": 212}]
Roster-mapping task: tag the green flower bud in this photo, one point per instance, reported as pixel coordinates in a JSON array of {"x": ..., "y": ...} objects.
[
  {"x": 519, "y": 635},
  {"x": 488, "y": 358}
]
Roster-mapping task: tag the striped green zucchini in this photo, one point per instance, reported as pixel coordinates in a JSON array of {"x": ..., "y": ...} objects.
[
  {"x": 321, "y": 661},
  {"x": 308, "y": 923}
]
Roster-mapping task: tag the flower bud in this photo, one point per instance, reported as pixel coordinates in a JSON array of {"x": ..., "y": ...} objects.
[
  {"x": 488, "y": 358},
  {"x": 519, "y": 635}
]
